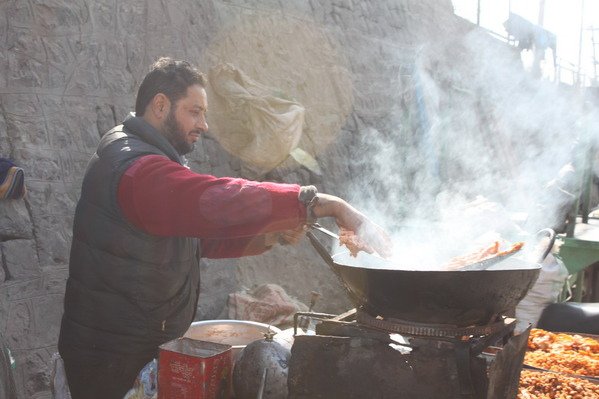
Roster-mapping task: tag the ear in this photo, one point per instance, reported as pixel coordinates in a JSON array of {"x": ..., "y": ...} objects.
[{"x": 160, "y": 106}]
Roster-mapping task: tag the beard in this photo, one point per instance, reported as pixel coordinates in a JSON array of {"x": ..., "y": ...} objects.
[{"x": 175, "y": 135}]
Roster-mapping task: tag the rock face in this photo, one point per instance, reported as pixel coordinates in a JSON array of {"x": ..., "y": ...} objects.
[{"x": 69, "y": 71}]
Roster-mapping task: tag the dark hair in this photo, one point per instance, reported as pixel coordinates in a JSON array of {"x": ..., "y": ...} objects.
[{"x": 169, "y": 77}]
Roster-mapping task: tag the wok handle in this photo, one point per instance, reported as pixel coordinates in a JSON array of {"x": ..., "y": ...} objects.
[
  {"x": 322, "y": 251},
  {"x": 549, "y": 233}
]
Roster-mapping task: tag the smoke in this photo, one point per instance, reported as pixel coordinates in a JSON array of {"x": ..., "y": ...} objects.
[{"x": 474, "y": 148}]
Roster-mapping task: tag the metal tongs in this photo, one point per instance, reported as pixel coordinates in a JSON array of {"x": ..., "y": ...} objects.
[
  {"x": 486, "y": 263},
  {"x": 328, "y": 232}
]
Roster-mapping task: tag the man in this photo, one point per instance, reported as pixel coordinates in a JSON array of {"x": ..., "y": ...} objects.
[{"x": 134, "y": 266}]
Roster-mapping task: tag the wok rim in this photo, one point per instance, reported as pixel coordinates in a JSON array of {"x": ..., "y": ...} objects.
[{"x": 532, "y": 266}]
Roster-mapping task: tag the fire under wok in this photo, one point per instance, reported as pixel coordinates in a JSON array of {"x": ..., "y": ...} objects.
[{"x": 459, "y": 298}]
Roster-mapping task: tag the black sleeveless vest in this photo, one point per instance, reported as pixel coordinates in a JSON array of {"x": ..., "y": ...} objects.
[{"x": 127, "y": 291}]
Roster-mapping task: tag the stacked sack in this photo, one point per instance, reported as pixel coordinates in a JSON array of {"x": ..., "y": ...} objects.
[{"x": 12, "y": 180}]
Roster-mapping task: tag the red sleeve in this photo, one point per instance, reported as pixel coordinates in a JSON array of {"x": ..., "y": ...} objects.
[
  {"x": 164, "y": 198},
  {"x": 233, "y": 248}
]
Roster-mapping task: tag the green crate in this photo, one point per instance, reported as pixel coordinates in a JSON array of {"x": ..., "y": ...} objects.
[{"x": 578, "y": 254}]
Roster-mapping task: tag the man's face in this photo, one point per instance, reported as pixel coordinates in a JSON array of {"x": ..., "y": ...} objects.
[{"x": 186, "y": 120}]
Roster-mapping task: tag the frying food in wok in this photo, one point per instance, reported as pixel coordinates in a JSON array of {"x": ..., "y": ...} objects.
[
  {"x": 482, "y": 254},
  {"x": 353, "y": 243}
]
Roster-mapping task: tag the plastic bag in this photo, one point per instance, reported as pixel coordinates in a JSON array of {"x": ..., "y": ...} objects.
[
  {"x": 252, "y": 121},
  {"x": 58, "y": 381},
  {"x": 146, "y": 383},
  {"x": 8, "y": 388},
  {"x": 545, "y": 291}
]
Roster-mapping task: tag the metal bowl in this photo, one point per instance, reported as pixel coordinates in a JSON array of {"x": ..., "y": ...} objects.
[{"x": 237, "y": 333}]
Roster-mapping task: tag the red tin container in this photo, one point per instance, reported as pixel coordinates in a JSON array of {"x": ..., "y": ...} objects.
[{"x": 192, "y": 369}]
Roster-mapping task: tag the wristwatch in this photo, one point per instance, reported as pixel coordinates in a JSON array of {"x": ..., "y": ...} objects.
[{"x": 308, "y": 196}]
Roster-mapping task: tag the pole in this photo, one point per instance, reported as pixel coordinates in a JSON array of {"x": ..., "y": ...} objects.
[
  {"x": 580, "y": 40},
  {"x": 539, "y": 53},
  {"x": 478, "y": 13}
]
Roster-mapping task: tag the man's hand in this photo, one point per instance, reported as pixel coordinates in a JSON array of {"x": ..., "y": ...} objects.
[{"x": 349, "y": 218}]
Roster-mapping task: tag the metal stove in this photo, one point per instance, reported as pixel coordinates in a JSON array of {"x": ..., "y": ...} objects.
[{"x": 356, "y": 355}]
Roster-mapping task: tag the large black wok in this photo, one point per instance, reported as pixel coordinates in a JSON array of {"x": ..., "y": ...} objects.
[{"x": 459, "y": 298}]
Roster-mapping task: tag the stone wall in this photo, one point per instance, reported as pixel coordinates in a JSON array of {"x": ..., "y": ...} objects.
[{"x": 69, "y": 71}]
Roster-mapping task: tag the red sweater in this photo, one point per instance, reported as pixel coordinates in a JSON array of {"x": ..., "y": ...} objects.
[{"x": 229, "y": 215}]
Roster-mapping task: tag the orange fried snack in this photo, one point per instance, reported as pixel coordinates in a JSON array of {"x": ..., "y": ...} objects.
[
  {"x": 480, "y": 255},
  {"x": 354, "y": 243},
  {"x": 565, "y": 353},
  {"x": 515, "y": 247},
  {"x": 544, "y": 385}
]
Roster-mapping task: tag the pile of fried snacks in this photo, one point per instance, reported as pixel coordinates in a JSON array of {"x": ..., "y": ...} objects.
[
  {"x": 545, "y": 385},
  {"x": 564, "y": 353}
]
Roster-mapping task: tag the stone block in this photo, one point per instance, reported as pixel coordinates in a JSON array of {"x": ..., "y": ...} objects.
[
  {"x": 39, "y": 163},
  {"x": 80, "y": 123},
  {"x": 218, "y": 281},
  {"x": 50, "y": 199},
  {"x": 4, "y": 139},
  {"x": 132, "y": 14},
  {"x": 47, "y": 312},
  {"x": 117, "y": 80},
  {"x": 20, "y": 329},
  {"x": 15, "y": 221},
  {"x": 106, "y": 118},
  {"x": 60, "y": 17},
  {"x": 215, "y": 154},
  {"x": 59, "y": 54},
  {"x": 54, "y": 244},
  {"x": 4, "y": 307},
  {"x": 102, "y": 14},
  {"x": 19, "y": 290},
  {"x": 53, "y": 240},
  {"x": 61, "y": 136},
  {"x": 26, "y": 66},
  {"x": 84, "y": 79},
  {"x": 22, "y": 105},
  {"x": 18, "y": 13},
  {"x": 74, "y": 166},
  {"x": 20, "y": 259},
  {"x": 24, "y": 131},
  {"x": 33, "y": 372},
  {"x": 54, "y": 279}
]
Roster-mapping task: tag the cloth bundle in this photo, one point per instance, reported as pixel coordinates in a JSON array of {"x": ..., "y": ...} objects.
[
  {"x": 12, "y": 180},
  {"x": 267, "y": 303}
]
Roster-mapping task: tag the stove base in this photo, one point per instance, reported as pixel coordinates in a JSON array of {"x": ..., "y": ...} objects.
[{"x": 330, "y": 367}]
